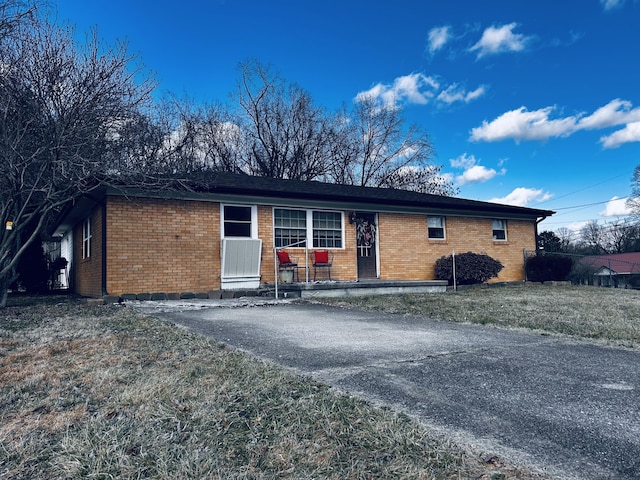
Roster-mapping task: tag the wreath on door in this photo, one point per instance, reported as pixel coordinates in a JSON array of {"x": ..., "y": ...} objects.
[{"x": 365, "y": 232}]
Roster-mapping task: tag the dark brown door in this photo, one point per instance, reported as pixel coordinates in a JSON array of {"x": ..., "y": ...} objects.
[{"x": 366, "y": 235}]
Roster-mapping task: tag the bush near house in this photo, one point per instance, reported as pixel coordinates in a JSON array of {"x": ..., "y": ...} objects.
[
  {"x": 544, "y": 268},
  {"x": 471, "y": 268}
]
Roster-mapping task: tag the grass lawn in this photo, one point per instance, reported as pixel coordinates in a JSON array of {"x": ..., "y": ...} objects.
[
  {"x": 601, "y": 314},
  {"x": 101, "y": 392}
]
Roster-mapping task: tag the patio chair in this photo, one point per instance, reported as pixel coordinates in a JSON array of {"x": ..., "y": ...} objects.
[
  {"x": 322, "y": 259},
  {"x": 287, "y": 262}
]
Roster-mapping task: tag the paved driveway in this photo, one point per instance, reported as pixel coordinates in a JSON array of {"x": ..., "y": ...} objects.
[{"x": 569, "y": 407}]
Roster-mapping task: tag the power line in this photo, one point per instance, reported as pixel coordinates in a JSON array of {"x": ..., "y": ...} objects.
[{"x": 587, "y": 187}]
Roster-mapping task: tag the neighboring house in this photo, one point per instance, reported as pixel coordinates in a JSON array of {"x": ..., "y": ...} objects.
[
  {"x": 615, "y": 270},
  {"x": 223, "y": 235}
]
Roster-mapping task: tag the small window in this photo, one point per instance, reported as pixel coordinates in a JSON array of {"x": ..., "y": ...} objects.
[
  {"x": 290, "y": 228},
  {"x": 237, "y": 221},
  {"x": 436, "y": 227},
  {"x": 86, "y": 238},
  {"x": 327, "y": 230},
  {"x": 499, "y": 229}
]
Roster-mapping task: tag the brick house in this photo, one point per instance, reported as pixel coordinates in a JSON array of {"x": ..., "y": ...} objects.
[{"x": 224, "y": 234}]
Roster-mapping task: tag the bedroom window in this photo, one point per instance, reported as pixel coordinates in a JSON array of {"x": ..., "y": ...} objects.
[
  {"x": 435, "y": 226},
  {"x": 499, "y": 230},
  {"x": 237, "y": 221},
  {"x": 86, "y": 238}
]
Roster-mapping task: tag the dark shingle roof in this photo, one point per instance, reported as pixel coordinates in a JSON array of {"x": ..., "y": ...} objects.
[{"x": 227, "y": 183}]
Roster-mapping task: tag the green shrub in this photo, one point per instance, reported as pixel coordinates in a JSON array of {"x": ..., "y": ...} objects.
[
  {"x": 544, "y": 268},
  {"x": 471, "y": 268}
]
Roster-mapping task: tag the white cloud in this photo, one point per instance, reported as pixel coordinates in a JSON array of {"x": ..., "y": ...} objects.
[
  {"x": 476, "y": 174},
  {"x": 454, "y": 93},
  {"x": 463, "y": 161},
  {"x": 616, "y": 112},
  {"x": 499, "y": 40},
  {"x": 473, "y": 172},
  {"x": 576, "y": 226},
  {"x": 612, "y": 4},
  {"x": 418, "y": 88},
  {"x": 438, "y": 37},
  {"x": 630, "y": 133},
  {"x": 521, "y": 124},
  {"x": 522, "y": 196},
  {"x": 413, "y": 88},
  {"x": 616, "y": 207}
]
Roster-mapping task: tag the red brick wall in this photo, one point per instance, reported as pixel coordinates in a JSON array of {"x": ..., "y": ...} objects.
[
  {"x": 162, "y": 246},
  {"x": 406, "y": 253},
  {"x": 174, "y": 246}
]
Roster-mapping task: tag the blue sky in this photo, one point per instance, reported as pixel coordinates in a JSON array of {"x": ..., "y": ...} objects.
[{"x": 534, "y": 103}]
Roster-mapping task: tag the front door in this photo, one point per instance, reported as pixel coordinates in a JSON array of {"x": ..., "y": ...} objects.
[{"x": 366, "y": 244}]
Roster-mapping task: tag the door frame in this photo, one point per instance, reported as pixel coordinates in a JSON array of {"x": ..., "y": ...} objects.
[{"x": 376, "y": 245}]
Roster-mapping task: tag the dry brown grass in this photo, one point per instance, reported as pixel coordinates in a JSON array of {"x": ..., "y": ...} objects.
[
  {"x": 603, "y": 314},
  {"x": 99, "y": 392}
]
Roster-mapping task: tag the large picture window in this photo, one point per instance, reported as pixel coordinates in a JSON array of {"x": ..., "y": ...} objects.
[
  {"x": 435, "y": 225},
  {"x": 290, "y": 227},
  {"x": 297, "y": 228},
  {"x": 86, "y": 238},
  {"x": 499, "y": 229}
]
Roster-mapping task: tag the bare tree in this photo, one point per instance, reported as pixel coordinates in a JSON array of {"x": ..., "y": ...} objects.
[
  {"x": 566, "y": 237},
  {"x": 592, "y": 239},
  {"x": 620, "y": 237},
  {"x": 66, "y": 112},
  {"x": 286, "y": 135},
  {"x": 376, "y": 149},
  {"x": 200, "y": 138}
]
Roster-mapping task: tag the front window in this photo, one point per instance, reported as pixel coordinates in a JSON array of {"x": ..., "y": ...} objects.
[
  {"x": 290, "y": 227},
  {"x": 327, "y": 230},
  {"x": 237, "y": 221},
  {"x": 298, "y": 228},
  {"x": 435, "y": 226},
  {"x": 499, "y": 229},
  {"x": 86, "y": 238}
]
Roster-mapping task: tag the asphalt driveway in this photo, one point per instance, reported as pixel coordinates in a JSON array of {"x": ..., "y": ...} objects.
[{"x": 569, "y": 408}]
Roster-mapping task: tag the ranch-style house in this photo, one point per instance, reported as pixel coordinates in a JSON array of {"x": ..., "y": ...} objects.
[{"x": 225, "y": 234}]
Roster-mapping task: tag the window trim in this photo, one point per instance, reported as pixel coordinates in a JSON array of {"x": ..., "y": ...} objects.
[
  {"x": 87, "y": 234},
  {"x": 443, "y": 227},
  {"x": 306, "y": 225},
  {"x": 503, "y": 229},
  {"x": 313, "y": 229},
  {"x": 309, "y": 237},
  {"x": 254, "y": 219}
]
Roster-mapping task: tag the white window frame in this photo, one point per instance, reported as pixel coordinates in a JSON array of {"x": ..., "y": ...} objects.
[
  {"x": 254, "y": 219},
  {"x": 86, "y": 238},
  {"x": 309, "y": 239},
  {"x": 313, "y": 229},
  {"x": 306, "y": 226},
  {"x": 502, "y": 226},
  {"x": 442, "y": 226}
]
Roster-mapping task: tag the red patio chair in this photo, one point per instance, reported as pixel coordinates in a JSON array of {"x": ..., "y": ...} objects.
[
  {"x": 287, "y": 262},
  {"x": 322, "y": 259}
]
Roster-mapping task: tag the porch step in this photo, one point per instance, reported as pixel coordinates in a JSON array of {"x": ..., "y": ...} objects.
[{"x": 360, "y": 288}]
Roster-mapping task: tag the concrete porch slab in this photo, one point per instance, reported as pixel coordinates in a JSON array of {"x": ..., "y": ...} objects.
[{"x": 360, "y": 288}]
